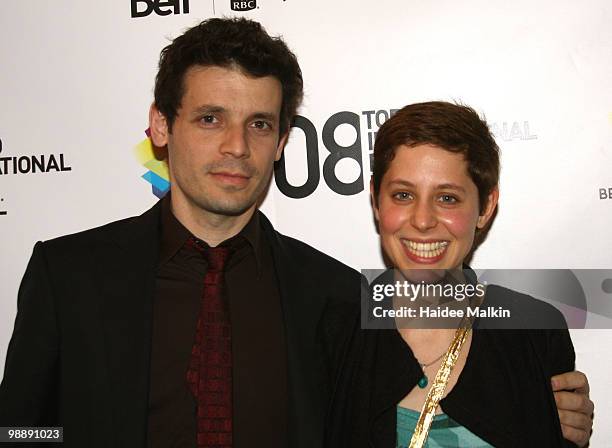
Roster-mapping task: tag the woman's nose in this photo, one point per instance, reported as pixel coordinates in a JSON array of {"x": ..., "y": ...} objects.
[{"x": 423, "y": 217}]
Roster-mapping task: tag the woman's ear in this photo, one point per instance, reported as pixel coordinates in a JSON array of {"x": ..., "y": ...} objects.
[
  {"x": 487, "y": 213},
  {"x": 374, "y": 200}
]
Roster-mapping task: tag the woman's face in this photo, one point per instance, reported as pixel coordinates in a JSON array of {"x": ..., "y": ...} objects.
[{"x": 428, "y": 209}]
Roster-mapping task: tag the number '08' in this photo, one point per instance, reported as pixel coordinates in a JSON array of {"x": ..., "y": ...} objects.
[{"x": 336, "y": 151}]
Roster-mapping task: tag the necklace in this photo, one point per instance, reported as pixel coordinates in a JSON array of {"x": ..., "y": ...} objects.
[
  {"x": 424, "y": 381},
  {"x": 421, "y": 430}
]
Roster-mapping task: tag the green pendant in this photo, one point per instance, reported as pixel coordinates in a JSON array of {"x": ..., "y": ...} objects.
[{"x": 423, "y": 382}]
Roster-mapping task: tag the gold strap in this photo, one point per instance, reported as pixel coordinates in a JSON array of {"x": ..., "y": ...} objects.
[{"x": 438, "y": 387}]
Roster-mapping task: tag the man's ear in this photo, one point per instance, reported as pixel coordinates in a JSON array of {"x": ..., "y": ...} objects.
[
  {"x": 374, "y": 200},
  {"x": 487, "y": 213},
  {"x": 158, "y": 126},
  {"x": 281, "y": 145}
]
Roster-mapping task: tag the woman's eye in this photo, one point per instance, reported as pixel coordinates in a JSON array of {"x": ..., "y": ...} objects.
[
  {"x": 401, "y": 196},
  {"x": 447, "y": 198}
]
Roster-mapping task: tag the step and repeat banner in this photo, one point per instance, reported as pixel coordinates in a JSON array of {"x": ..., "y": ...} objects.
[{"x": 76, "y": 80}]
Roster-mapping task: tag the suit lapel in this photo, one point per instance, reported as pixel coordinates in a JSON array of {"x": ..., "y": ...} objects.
[
  {"x": 126, "y": 280},
  {"x": 302, "y": 308}
]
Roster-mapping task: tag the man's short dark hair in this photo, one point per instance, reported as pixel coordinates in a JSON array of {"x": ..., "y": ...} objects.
[
  {"x": 226, "y": 43},
  {"x": 453, "y": 127}
]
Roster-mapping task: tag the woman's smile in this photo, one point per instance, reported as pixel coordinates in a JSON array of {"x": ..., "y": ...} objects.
[{"x": 430, "y": 251}]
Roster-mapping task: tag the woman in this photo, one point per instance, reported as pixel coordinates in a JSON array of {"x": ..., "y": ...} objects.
[{"x": 434, "y": 191}]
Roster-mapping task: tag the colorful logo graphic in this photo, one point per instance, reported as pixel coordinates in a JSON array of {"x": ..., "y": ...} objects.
[{"x": 157, "y": 175}]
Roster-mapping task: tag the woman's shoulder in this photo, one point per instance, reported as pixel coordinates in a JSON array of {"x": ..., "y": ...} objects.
[
  {"x": 505, "y": 308},
  {"x": 535, "y": 326}
]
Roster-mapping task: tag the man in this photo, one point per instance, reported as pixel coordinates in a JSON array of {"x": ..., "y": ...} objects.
[{"x": 121, "y": 335}]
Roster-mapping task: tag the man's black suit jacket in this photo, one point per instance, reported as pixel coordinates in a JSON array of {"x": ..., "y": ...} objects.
[{"x": 80, "y": 351}]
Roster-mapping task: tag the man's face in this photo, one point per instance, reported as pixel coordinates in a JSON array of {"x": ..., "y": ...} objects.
[{"x": 224, "y": 140}]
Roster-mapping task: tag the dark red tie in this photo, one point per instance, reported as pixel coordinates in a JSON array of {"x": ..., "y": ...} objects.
[{"x": 210, "y": 369}]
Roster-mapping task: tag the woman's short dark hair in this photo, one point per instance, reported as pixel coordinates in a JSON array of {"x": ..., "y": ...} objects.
[
  {"x": 453, "y": 127},
  {"x": 227, "y": 43}
]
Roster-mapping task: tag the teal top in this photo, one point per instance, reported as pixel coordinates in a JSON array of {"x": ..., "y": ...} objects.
[{"x": 444, "y": 432}]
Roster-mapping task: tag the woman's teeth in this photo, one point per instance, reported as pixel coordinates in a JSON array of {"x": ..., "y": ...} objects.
[{"x": 426, "y": 250}]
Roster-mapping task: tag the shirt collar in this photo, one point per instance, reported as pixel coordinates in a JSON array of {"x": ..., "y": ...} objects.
[
  {"x": 252, "y": 233},
  {"x": 174, "y": 235}
]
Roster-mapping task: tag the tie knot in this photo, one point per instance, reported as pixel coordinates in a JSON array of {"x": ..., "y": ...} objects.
[{"x": 215, "y": 256}]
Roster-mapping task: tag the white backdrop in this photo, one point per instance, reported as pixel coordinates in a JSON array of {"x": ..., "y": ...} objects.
[{"x": 76, "y": 81}]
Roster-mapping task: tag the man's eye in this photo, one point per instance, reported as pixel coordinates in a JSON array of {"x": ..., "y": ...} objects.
[
  {"x": 260, "y": 124},
  {"x": 208, "y": 119}
]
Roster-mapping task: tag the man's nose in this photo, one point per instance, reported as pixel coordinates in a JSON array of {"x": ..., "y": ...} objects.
[{"x": 235, "y": 142}]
